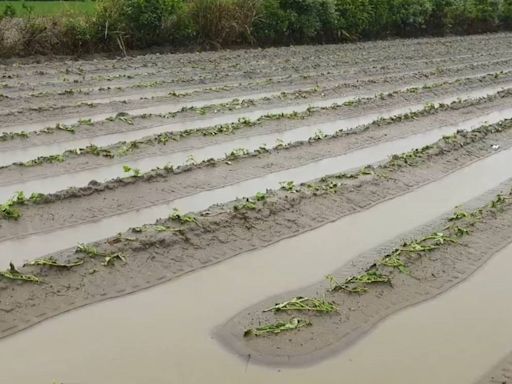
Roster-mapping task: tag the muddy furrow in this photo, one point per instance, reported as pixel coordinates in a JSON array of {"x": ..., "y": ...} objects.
[
  {"x": 183, "y": 243},
  {"x": 439, "y": 93},
  {"x": 79, "y": 170},
  {"x": 300, "y": 161},
  {"x": 500, "y": 374},
  {"x": 464, "y": 321},
  {"x": 45, "y": 100},
  {"x": 350, "y": 55},
  {"x": 32, "y": 121},
  {"x": 414, "y": 268}
]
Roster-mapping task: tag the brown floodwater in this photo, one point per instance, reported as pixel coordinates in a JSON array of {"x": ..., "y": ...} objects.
[{"x": 165, "y": 334}]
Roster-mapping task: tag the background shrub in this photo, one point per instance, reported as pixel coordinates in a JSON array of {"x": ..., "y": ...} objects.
[{"x": 111, "y": 25}]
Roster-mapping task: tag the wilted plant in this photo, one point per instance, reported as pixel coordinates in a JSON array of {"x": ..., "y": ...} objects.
[
  {"x": 135, "y": 171},
  {"x": 292, "y": 324},
  {"x": 357, "y": 284},
  {"x": 52, "y": 262},
  {"x": 303, "y": 304},
  {"x": 183, "y": 218},
  {"x": 13, "y": 274}
]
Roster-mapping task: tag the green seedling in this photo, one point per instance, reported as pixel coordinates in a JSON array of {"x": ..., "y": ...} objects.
[
  {"x": 319, "y": 135},
  {"x": 191, "y": 160},
  {"x": 303, "y": 304},
  {"x": 66, "y": 128},
  {"x": 52, "y": 262},
  {"x": 438, "y": 238},
  {"x": 394, "y": 261},
  {"x": 13, "y": 274},
  {"x": 125, "y": 119},
  {"x": 8, "y": 210},
  {"x": 87, "y": 249},
  {"x": 459, "y": 215},
  {"x": 85, "y": 122},
  {"x": 261, "y": 196},
  {"x": 248, "y": 204},
  {"x": 182, "y": 218},
  {"x": 276, "y": 328},
  {"x": 288, "y": 186},
  {"x": 237, "y": 153},
  {"x": 134, "y": 171}
]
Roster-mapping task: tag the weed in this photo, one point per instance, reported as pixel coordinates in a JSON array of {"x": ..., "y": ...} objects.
[
  {"x": 292, "y": 324},
  {"x": 303, "y": 304}
]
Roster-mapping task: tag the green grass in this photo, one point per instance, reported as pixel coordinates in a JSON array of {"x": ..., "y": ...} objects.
[{"x": 49, "y": 8}]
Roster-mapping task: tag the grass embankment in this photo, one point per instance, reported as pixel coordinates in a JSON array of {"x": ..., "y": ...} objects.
[{"x": 114, "y": 25}]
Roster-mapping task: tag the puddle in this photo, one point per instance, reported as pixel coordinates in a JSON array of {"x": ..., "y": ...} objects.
[
  {"x": 489, "y": 171},
  {"x": 341, "y": 163},
  {"x": 162, "y": 334}
]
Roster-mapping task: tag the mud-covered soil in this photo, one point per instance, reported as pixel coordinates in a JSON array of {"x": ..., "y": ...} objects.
[
  {"x": 427, "y": 274},
  {"x": 158, "y": 254},
  {"x": 70, "y": 207},
  {"x": 500, "y": 374},
  {"x": 256, "y": 146}
]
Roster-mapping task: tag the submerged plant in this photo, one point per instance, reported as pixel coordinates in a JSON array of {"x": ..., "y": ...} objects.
[
  {"x": 300, "y": 303},
  {"x": 292, "y": 324}
]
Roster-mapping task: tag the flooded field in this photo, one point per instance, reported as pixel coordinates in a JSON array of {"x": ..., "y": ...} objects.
[{"x": 202, "y": 218}]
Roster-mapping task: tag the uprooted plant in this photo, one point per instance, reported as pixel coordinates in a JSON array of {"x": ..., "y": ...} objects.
[
  {"x": 300, "y": 303},
  {"x": 279, "y": 327}
]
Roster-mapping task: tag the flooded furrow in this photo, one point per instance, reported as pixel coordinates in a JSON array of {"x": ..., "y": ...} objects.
[
  {"x": 130, "y": 93},
  {"x": 36, "y": 245},
  {"x": 164, "y": 108},
  {"x": 174, "y": 338},
  {"x": 26, "y": 154},
  {"x": 350, "y": 64},
  {"x": 356, "y": 159}
]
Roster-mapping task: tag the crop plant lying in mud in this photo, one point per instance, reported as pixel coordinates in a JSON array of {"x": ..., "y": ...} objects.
[{"x": 459, "y": 225}]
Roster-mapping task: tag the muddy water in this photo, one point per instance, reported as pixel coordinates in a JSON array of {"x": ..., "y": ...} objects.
[
  {"x": 489, "y": 172},
  {"x": 341, "y": 163},
  {"x": 162, "y": 335}
]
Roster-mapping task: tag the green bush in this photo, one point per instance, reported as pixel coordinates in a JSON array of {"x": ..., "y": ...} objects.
[
  {"x": 141, "y": 23},
  {"x": 506, "y": 14},
  {"x": 296, "y": 21},
  {"x": 354, "y": 17},
  {"x": 117, "y": 24},
  {"x": 9, "y": 11}
]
